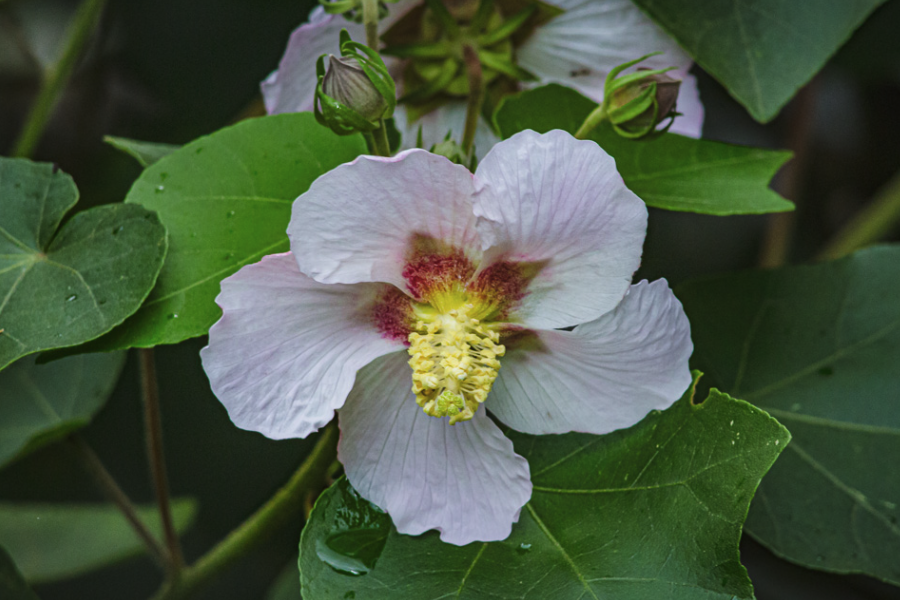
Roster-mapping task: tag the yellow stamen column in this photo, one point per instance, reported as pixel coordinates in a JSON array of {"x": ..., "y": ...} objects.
[{"x": 454, "y": 362}]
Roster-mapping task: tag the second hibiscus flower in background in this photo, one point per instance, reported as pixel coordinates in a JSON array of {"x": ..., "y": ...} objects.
[
  {"x": 577, "y": 46},
  {"x": 415, "y": 292}
]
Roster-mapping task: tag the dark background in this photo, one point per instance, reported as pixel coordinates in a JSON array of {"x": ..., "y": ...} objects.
[{"x": 173, "y": 70}]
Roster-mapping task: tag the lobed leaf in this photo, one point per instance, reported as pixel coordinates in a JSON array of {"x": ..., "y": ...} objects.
[
  {"x": 818, "y": 347},
  {"x": 62, "y": 286},
  {"x": 762, "y": 51},
  {"x": 654, "y": 511}
]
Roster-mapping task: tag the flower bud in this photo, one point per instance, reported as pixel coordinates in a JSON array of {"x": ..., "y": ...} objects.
[
  {"x": 356, "y": 92},
  {"x": 346, "y": 82},
  {"x": 453, "y": 151},
  {"x": 635, "y": 104},
  {"x": 662, "y": 99}
]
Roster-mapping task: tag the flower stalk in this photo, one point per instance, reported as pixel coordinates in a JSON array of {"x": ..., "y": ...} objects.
[
  {"x": 155, "y": 454},
  {"x": 105, "y": 481},
  {"x": 370, "y": 20},
  {"x": 475, "y": 99}
]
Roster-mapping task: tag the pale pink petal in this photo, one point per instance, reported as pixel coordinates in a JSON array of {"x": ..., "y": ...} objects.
[
  {"x": 285, "y": 353},
  {"x": 605, "y": 375},
  {"x": 463, "y": 480},
  {"x": 559, "y": 202},
  {"x": 435, "y": 125},
  {"x": 359, "y": 221},
  {"x": 581, "y": 46}
]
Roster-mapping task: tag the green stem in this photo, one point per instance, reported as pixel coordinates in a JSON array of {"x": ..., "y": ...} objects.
[
  {"x": 286, "y": 504},
  {"x": 382, "y": 145},
  {"x": 55, "y": 77},
  {"x": 597, "y": 116},
  {"x": 155, "y": 454},
  {"x": 476, "y": 97},
  {"x": 114, "y": 493},
  {"x": 871, "y": 224},
  {"x": 370, "y": 18}
]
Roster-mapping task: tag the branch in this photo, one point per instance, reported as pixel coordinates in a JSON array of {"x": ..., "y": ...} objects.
[
  {"x": 153, "y": 428},
  {"x": 55, "y": 78},
  {"x": 114, "y": 493}
]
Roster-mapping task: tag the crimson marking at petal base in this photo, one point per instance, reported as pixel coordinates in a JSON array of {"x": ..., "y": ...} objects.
[
  {"x": 503, "y": 284},
  {"x": 434, "y": 267},
  {"x": 393, "y": 314}
]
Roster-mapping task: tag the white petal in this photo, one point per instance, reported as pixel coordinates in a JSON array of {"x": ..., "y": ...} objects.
[
  {"x": 558, "y": 201},
  {"x": 605, "y": 375},
  {"x": 581, "y": 46},
  {"x": 357, "y": 222},
  {"x": 285, "y": 353},
  {"x": 463, "y": 480},
  {"x": 435, "y": 125}
]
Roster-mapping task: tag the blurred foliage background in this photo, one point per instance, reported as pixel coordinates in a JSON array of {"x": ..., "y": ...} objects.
[{"x": 170, "y": 71}]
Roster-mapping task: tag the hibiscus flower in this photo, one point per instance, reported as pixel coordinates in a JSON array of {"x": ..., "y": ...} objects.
[
  {"x": 418, "y": 295},
  {"x": 577, "y": 48}
]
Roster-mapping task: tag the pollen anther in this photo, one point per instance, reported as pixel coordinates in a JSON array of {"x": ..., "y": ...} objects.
[{"x": 454, "y": 362}]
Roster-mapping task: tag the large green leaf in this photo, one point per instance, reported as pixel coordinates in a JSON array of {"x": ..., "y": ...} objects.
[
  {"x": 819, "y": 348},
  {"x": 146, "y": 153},
  {"x": 226, "y": 201},
  {"x": 42, "y": 403},
  {"x": 56, "y": 541},
  {"x": 672, "y": 171},
  {"x": 64, "y": 286},
  {"x": 12, "y": 584},
  {"x": 651, "y": 512},
  {"x": 762, "y": 51}
]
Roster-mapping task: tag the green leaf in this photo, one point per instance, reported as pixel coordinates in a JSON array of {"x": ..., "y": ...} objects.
[
  {"x": 12, "y": 584},
  {"x": 762, "y": 51},
  {"x": 226, "y": 201},
  {"x": 64, "y": 286},
  {"x": 146, "y": 153},
  {"x": 818, "y": 347},
  {"x": 654, "y": 511},
  {"x": 50, "y": 542},
  {"x": 43, "y": 403},
  {"x": 671, "y": 172}
]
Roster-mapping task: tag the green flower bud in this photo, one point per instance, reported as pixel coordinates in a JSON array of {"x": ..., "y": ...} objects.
[
  {"x": 346, "y": 82},
  {"x": 637, "y": 103},
  {"x": 356, "y": 91}
]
